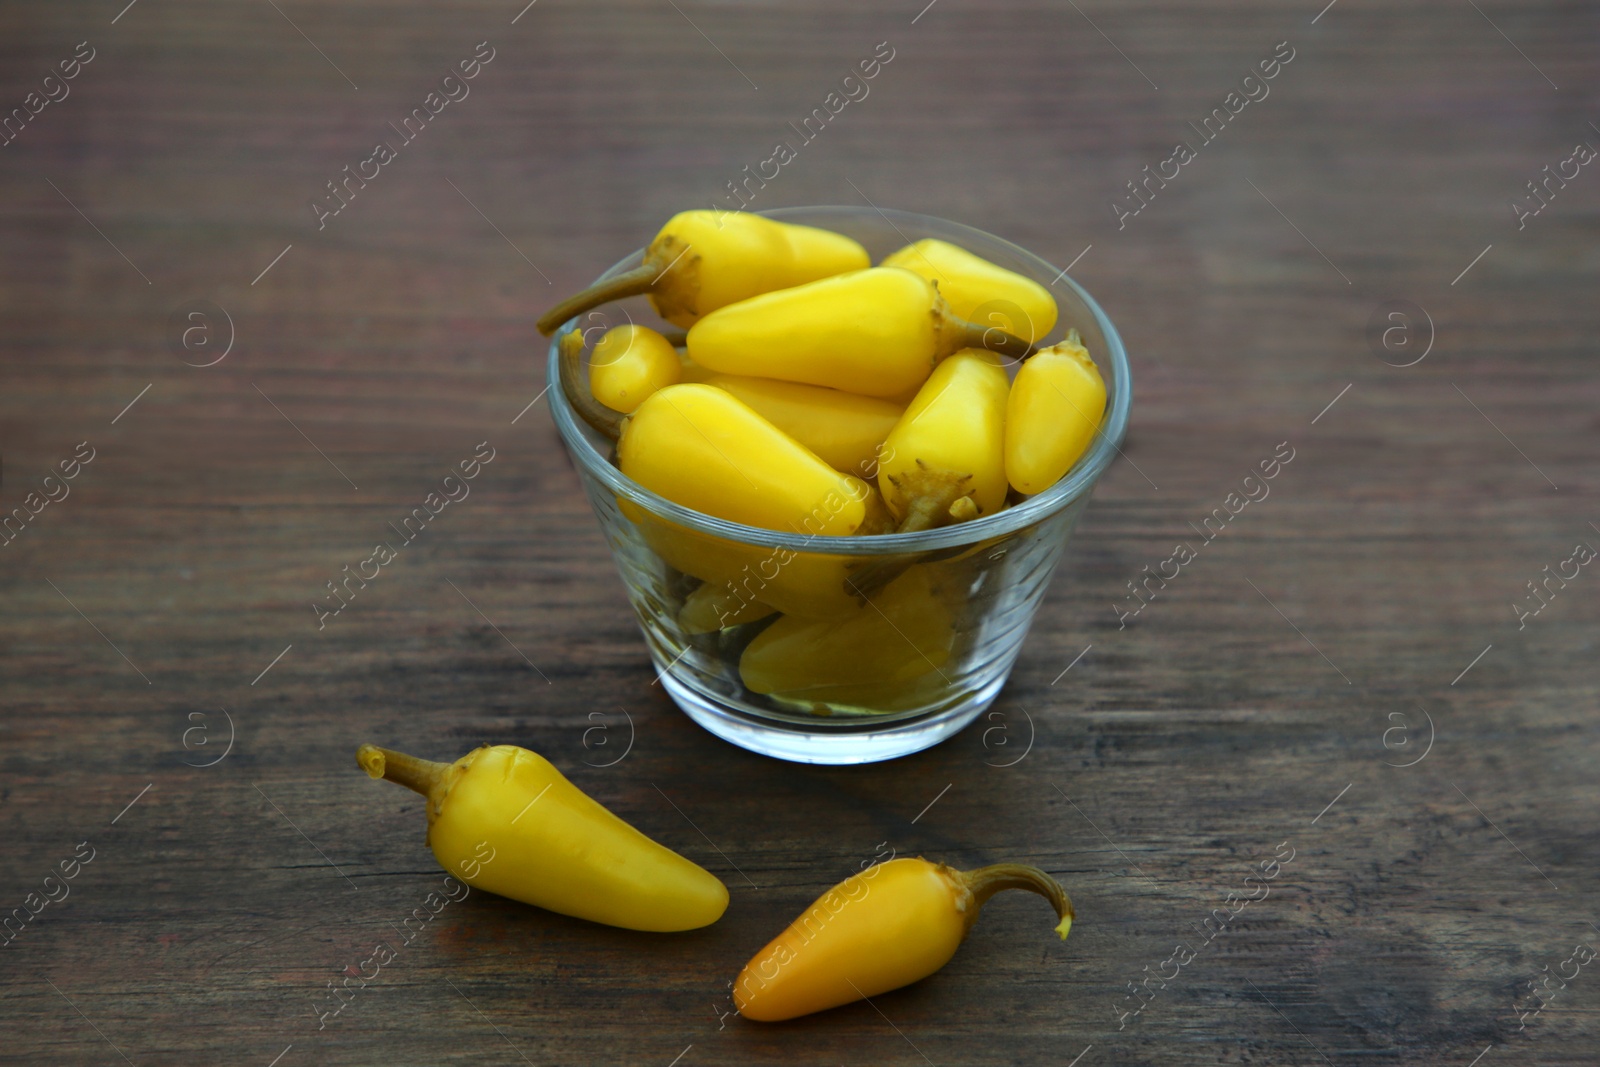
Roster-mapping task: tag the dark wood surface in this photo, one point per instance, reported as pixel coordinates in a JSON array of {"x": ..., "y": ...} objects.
[{"x": 1174, "y": 756}]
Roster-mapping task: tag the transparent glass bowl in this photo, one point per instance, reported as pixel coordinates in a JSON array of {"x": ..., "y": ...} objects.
[{"x": 851, "y": 681}]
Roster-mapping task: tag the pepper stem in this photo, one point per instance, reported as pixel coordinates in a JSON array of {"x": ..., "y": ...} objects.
[
  {"x": 994, "y": 339},
  {"x": 928, "y": 495},
  {"x": 419, "y": 775},
  {"x": 933, "y": 498},
  {"x": 578, "y": 395},
  {"x": 985, "y": 882},
  {"x": 629, "y": 283}
]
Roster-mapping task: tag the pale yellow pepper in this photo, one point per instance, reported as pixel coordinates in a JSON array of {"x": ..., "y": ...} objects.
[
  {"x": 704, "y": 260},
  {"x": 951, "y": 435},
  {"x": 1053, "y": 414},
  {"x": 628, "y": 364},
  {"x": 797, "y": 582},
  {"x": 888, "y": 926},
  {"x": 877, "y": 332},
  {"x": 886, "y": 654},
  {"x": 845, "y": 430},
  {"x": 978, "y": 290},
  {"x": 716, "y": 607},
  {"x": 505, "y": 820}
]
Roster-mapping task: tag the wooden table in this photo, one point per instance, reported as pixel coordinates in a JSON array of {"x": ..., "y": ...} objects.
[{"x": 1341, "y": 675}]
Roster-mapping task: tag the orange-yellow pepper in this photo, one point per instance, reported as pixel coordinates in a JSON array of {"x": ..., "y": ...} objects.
[
  {"x": 978, "y": 290},
  {"x": 893, "y": 924},
  {"x": 704, "y": 260},
  {"x": 505, "y": 820},
  {"x": 1053, "y": 413}
]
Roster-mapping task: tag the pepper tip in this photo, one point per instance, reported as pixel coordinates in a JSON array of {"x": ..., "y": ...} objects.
[
  {"x": 371, "y": 759},
  {"x": 1064, "y": 927}
]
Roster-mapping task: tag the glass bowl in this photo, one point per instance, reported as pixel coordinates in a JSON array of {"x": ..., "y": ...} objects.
[{"x": 849, "y": 681}]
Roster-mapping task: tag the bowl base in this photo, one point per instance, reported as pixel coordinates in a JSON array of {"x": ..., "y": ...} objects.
[{"x": 840, "y": 742}]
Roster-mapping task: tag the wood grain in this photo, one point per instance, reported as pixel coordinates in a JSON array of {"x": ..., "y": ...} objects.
[{"x": 1173, "y": 757}]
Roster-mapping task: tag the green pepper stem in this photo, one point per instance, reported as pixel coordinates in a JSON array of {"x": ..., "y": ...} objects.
[
  {"x": 994, "y": 339},
  {"x": 952, "y": 334},
  {"x": 640, "y": 279},
  {"x": 930, "y": 495},
  {"x": 419, "y": 775},
  {"x": 985, "y": 882},
  {"x": 577, "y": 392}
]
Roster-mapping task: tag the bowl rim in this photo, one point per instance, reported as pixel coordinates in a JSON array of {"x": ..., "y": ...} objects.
[{"x": 1076, "y": 483}]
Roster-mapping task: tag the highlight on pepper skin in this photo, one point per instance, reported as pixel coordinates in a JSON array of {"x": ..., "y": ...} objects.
[
  {"x": 505, "y": 820},
  {"x": 886, "y": 927}
]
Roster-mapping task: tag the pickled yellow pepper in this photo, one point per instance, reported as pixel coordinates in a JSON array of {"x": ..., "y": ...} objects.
[
  {"x": 1053, "y": 413},
  {"x": 879, "y": 656},
  {"x": 714, "y": 606},
  {"x": 886, "y": 927},
  {"x": 629, "y": 363},
  {"x": 878, "y": 332},
  {"x": 700, "y": 447},
  {"x": 978, "y": 290},
  {"x": 949, "y": 444},
  {"x": 845, "y": 430},
  {"x": 810, "y": 584},
  {"x": 505, "y": 820},
  {"x": 704, "y": 260}
]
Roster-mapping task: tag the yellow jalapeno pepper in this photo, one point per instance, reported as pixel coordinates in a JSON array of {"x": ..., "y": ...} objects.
[
  {"x": 629, "y": 363},
  {"x": 949, "y": 445},
  {"x": 883, "y": 655},
  {"x": 1054, "y": 411},
  {"x": 704, "y": 260},
  {"x": 878, "y": 332},
  {"x": 716, "y": 607},
  {"x": 506, "y": 820},
  {"x": 845, "y": 430},
  {"x": 809, "y": 584},
  {"x": 978, "y": 290},
  {"x": 893, "y": 924},
  {"x": 700, "y": 447}
]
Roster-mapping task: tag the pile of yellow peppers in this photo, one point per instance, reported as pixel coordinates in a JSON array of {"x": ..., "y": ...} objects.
[{"x": 817, "y": 394}]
